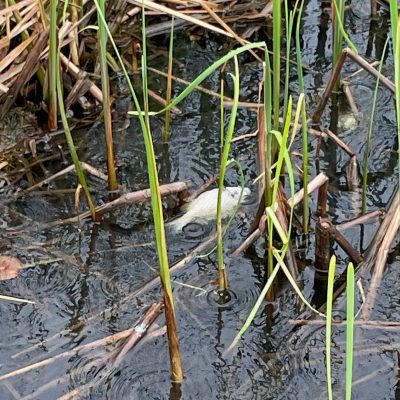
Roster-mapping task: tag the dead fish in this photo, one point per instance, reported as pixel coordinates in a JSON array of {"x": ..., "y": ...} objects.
[{"x": 204, "y": 207}]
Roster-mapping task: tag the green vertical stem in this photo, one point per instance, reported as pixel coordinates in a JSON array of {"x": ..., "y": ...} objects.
[
  {"x": 53, "y": 62},
  {"x": 337, "y": 10},
  {"x": 349, "y": 329},
  {"x": 276, "y": 57},
  {"x": 395, "y": 21},
  {"x": 369, "y": 135},
  {"x": 304, "y": 129},
  {"x": 328, "y": 334},
  {"x": 162, "y": 250},
  {"x": 222, "y": 275},
  {"x": 68, "y": 135},
  {"x": 105, "y": 86},
  {"x": 167, "y": 127}
]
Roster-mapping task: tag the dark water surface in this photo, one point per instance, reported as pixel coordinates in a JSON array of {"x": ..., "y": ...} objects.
[{"x": 84, "y": 282}]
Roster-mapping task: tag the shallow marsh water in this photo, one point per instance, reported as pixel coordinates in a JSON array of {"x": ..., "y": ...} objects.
[{"x": 84, "y": 281}]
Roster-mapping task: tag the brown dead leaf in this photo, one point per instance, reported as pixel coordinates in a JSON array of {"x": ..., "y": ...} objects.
[{"x": 9, "y": 267}]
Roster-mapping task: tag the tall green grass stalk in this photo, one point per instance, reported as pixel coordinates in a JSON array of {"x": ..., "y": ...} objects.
[
  {"x": 328, "y": 333},
  {"x": 395, "y": 22},
  {"x": 222, "y": 274},
  {"x": 68, "y": 135},
  {"x": 338, "y": 15},
  {"x": 369, "y": 134},
  {"x": 162, "y": 249},
  {"x": 289, "y": 20},
  {"x": 105, "y": 87},
  {"x": 167, "y": 126},
  {"x": 349, "y": 329},
  {"x": 52, "y": 72},
  {"x": 276, "y": 58},
  {"x": 173, "y": 342},
  {"x": 304, "y": 129}
]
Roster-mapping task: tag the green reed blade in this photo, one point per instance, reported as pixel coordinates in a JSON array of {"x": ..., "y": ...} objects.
[
  {"x": 276, "y": 58},
  {"x": 224, "y": 160},
  {"x": 349, "y": 329},
  {"x": 369, "y": 134},
  {"x": 105, "y": 88},
  {"x": 328, "y": 333},
  {"x": 167, "y": 125},
  {"x": 68, "y": 135}
]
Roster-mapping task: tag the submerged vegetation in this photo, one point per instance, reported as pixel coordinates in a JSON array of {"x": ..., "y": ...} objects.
[{"x": 65, "y": 59}]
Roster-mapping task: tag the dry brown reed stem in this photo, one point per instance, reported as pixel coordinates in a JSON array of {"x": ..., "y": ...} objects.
[
  {"x": 109, "y": 340},
  {"x": 328, "y": 133},
  {"x": 343, "y": 243},
  {"x": 162, "y": 101},
  {"x": 31, "y": 65},
  {"x": 363, "y": 219},
  {"x": 130, "y": 297},
  {"x": 124, "y": 200},
  {"x": 151, "y": 5},
  {"x": 336, "y": 73},
  {"x": 228, "y": 101},
  {"x": 77, "y": 73},
  {"x": 133, "y": 336},
  {"x": 322, "y": 201},
  {"x": 392, "y": 227},
  {"x": 295, "y": 200},
  {"x": 139, "y": 331},
  {"x": 389, "y": 224},
  {"x": 350, "y": 97},
  {"x": 227, "y": 28},
  {"x": 93, "y": 171},
  {"x": 323, "y": 248}
]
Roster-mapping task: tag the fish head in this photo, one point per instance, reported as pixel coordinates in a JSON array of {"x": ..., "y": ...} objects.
[{"x": 235, "y": 191}]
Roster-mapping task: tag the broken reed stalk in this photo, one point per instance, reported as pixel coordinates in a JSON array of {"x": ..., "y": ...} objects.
[
  {"x": 105, "y": 86},
  {"x": 336, "y": 73},
  {"x": 40, "y": 73}
]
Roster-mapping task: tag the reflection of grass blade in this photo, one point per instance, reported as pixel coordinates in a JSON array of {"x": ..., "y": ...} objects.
[
  {"x": 349, "y": 329},
  {"x": 222, "y": 280},
  {"x": 369, "y": 134},
  {"x": 328, "y": 334}
]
